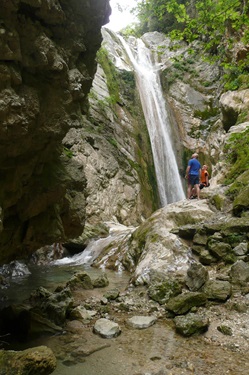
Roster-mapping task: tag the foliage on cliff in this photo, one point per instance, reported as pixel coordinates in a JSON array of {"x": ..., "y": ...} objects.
[{"x": 222, "y": 26}]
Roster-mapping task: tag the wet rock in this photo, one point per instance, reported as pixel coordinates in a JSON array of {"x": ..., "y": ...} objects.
[
  {"x": 80, "y": 280},
  {"x": 55, "y": 306},
  {"x": 106, "y": 328},
  {"x": 239, "y": 273},
  {"x": 184, "y": 302},
  {"x": 197, "y": 276},
  {"x": 36, "y": 361},
  {"x": 14, "y": 269},
  {"x": 191, "y": 324},
  {"x": 141, "y": 322},
  {"x": 217, "y": 290},
  {"x": 101, "y": 282}
]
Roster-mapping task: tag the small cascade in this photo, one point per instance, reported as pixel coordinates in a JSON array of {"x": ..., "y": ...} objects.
[
  {"x": 95, "y": 247},
  {"x": 157, "y": 120}
]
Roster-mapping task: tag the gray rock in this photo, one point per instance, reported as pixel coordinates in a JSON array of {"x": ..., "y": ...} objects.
[
  {"x": 241, "y": 249},
  {"x": 197, "y": 275},
  {"x": 217, "y": 290},
  {"x": 141, "y": 322},
  {"x": 239, "y": 273},
  {"x": 106, "y": 328},
  {"x": 81, "y": 313}
]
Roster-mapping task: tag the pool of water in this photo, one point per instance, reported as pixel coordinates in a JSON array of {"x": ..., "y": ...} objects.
[{"x": 51, "y": 276}]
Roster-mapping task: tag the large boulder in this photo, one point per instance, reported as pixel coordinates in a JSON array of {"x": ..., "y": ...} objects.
[{"x": 36, "y": 361}]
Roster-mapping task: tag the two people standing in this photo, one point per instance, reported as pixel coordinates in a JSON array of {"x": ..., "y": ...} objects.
[{"x": 197, "y": 177}]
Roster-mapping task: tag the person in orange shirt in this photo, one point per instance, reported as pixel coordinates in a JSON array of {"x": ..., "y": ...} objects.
[
  {"x": 204, "y": 181},
  {"x": 204, "y": 177}
]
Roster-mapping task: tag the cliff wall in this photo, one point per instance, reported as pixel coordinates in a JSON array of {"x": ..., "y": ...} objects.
[{"x": 47, "y": 64}]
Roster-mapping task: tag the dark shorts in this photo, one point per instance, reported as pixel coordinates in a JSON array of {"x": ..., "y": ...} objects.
[{"x": 194, "y": 180}]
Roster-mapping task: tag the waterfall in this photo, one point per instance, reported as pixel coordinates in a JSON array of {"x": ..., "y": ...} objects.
[{"x": 157, "y": 119}]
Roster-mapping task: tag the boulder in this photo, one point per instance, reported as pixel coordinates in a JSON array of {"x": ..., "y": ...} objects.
[
  {"x": 217, "y": 290},
  {"x": 80, "y": 280},
  {"x": 36, "y": 361},
  {"x": 106, "y": 328},
  {"x": 162, "y": 291},
  {"x": 239, "y": 273},
  {"x": 101, "y": 281},
  {"x": 191, "y": 324},
  {"x": 184, "y": 302}
]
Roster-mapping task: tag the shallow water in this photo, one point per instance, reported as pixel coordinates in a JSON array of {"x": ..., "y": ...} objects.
[
  {"x": 157, "y": 350},
  {"x": 51, "y": 276}
]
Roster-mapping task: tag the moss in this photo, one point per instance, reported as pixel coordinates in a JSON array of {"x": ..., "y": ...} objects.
[
  {"x": 111, "y": 75},
  {"x": 207, "y": 113},
  {"x": 68, "y": 152},
  {"x": 218, "y": 201},
  {"x": 242, "y": 117},
  {"x": 237, "y": 155}
]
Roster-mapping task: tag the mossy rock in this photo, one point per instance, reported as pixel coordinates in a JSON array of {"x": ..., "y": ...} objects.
[
  {"x": 161, "y": 292},
  {"x": 218, "y": 201},
  {"x": 182, "y": 303},
  {"x": 191, "y": 324},
  {"x": 241, "y": 202},
  {"x": 39, "y": 360},
  {"x": 80, "y": 280}
]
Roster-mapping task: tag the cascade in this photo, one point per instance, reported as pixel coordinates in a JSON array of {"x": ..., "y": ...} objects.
[{"x": 157, "y": 119}]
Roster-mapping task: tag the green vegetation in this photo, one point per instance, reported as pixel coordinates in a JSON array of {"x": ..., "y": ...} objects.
[
  {"x": 68, "y": 152},
  {"x": 237, "y": 154},
  {"x": 217, "y": 24},
  {"x": 111, "y": 75}
]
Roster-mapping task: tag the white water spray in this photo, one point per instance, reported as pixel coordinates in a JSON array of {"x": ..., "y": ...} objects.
[{"x": 155, "y": 111}]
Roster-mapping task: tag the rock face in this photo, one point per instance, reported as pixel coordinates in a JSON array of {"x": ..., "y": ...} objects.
[
  {"x": 47, "y": 53},
  {"x": 114, "y": 145}
]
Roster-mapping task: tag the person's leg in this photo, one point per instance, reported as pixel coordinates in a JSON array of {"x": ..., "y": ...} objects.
[
  {"x": 189, "y": 190},
  {"x": 197, "y": 188}
]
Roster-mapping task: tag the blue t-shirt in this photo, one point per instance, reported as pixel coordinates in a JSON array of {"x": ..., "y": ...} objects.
[{"x": 195, "y": 166}]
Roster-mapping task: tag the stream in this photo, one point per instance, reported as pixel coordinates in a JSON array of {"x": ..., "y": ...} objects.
[{"x": 157, "y": 350}]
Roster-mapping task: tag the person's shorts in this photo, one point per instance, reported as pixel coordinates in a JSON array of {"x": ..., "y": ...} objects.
[{"x": 194, "y": 180}]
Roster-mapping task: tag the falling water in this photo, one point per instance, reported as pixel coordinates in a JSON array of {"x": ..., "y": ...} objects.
[{"x": 157, "y": 120}]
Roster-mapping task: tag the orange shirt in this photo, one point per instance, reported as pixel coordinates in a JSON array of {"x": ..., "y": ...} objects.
[{"x": 204, "y": 173}]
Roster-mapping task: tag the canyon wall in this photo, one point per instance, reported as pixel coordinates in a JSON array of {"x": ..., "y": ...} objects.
[{"x": 47, "y": 64}]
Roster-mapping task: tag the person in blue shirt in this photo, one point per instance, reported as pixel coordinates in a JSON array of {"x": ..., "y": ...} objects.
[{"x": 193, "y": 174}]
